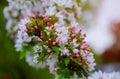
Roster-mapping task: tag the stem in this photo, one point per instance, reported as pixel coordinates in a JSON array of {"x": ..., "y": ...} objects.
[{"x": 85, "y": 73}]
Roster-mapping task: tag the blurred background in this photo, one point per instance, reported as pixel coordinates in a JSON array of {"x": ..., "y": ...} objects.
[{"x": 103, "y": 35}]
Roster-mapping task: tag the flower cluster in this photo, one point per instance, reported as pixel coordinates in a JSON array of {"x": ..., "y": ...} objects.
[
  {"x": 101, "y": 75},
  {"x": 63, "y": 9},
  {"x": 43, "y": 34},
  {"x": 63, "y": 49}
]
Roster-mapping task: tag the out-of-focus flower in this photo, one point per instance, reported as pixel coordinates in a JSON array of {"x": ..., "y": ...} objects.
[{"x": 103, "y": 75}]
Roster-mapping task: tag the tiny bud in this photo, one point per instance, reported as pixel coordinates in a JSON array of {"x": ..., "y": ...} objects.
[
  {"x": 49, "y": 39},
  {"x": 48, "y": 23},
  {"x": 49, "y": 19},
  {"x": 46, "y": 42},
  {"x": 56, "y": 40},
  {"x": 84, "y": 35},
  {"x": 73, "y": 35},
  {"x": 53, "y": 19},
  {"x": 80, "y": 54},
  {"x": 79, "y": 60},
  {"x": 43, "y": 17},
  {"x": 33, "y": 17},
  {"x": 35, "y": 20},
  {"x": 54, "y": 43},
  {"x": 32, "y": 28},
  {"x": 38, "y": 25},
  {"x": 80, "y": 30},
  {"x": 71, "y": 57},
  {"x": 73, "y": 28},
  {"x": 41, "y": 37},
  {"x": 53, "y": 26},
  {"x": 51, "y": 50},
  {"x": 56, "y": 36},
  {"x": 77, "y": 55}
]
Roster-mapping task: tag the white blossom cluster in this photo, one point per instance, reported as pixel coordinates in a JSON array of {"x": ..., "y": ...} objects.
[
  {"x": 66, "y": 10},
  {"x": 103, "y": 75},
  {"x": 65, "y": 39}
]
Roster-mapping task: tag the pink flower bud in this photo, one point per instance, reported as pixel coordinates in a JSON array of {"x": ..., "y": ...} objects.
[
  {"x": 38, "y": 25},
  {"x": 57, "y": 39},
  {"x": 41, "y": 37},
  {"x": 77, "y": 55},
  {"x": 26, "y": 30},
  {"x": 54, "y": 43},
  {"x": 35, "y": 20},
  {"x": 79, "y": 60},
  {"x": 85, "y": 35},
  {"x": 43, "y": 17},
  {"x": 71, "y": 57},
  {"x": 46, "y": 42},
  {"x": 53, "y": 26},
  {"x": 33, "y": 17},
  {"x": 73, "y": 27},
  {"x": 80, "y": 54},
  {"x": 32, "y": 28},
  {"x": 49, "y": 39},
  {"x": 73, "y": 35}
]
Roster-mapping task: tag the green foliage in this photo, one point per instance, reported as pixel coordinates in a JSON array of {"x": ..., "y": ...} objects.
[
  {"x": 22, "y": 53},
  {"x": 67, "y": 60},
  {"x": 55, "y": 49}
]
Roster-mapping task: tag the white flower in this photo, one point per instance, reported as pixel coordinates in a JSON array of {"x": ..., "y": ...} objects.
[
  {"x": 50, "y": 11},
  {"x": 32, "y": 60},
  {"x": 74, "y": 41},
  {"x": 75, "y": 50},
  {"x": 51, "y": 62},
  {"x": 38, "y": 48},
  {"x": 22, "y": 24},
  {"x": 63, "y": 35},
  {"x": 35, "y": 58},
  {"x": 64, "y": 3},
  {"x": 64, "y": 51},
  {"x": 103, "y": 75}
]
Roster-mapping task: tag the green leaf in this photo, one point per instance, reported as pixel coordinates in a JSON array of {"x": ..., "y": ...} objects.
[
  {"x": 81, "y": 39},
  {"x": 55, "y": 49},
  {"x": 22, "y": 54},
  {"x": 79, "y": 73},
  {"x": 74, "y": 60},
  {"x": 66, "y": 73},
  {"x": 41, "y": 56},
  {"x": 67, "y": 60}
]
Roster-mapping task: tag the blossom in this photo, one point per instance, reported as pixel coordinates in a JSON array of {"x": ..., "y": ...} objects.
[
  {"x": 32, "y": 60},
  {"x": 37, "y": 48},
  {"x": 103, "y": 75},
  {"x": 45, "y": 37},
  {"x": 64, "y": 51}
]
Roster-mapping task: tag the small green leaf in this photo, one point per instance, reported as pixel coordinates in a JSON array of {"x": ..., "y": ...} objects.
[
  {"x": 22, "y": 54},
  {"x": 67, "y": 60},
  {"x": 41, "y": 56},
  {"x": 74, "y": 60},
  {"x": 79, "y": 73},
  {"x": 55, "y": 49}
]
